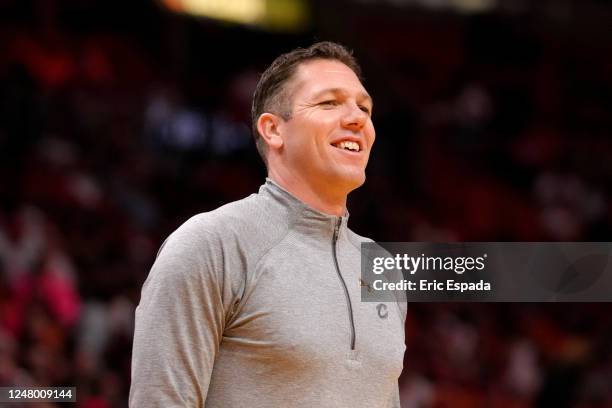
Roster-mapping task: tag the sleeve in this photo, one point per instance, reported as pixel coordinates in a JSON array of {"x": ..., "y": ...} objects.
[{"x": 179, "y": 322}]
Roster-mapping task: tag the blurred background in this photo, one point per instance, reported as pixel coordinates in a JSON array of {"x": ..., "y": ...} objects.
[{"x": 120, "y": 120}]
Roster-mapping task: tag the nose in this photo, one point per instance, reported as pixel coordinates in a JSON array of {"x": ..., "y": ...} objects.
[{"x": 354, "y": 118}]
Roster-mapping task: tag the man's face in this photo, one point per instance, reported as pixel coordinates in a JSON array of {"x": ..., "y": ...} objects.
[{"x": 327, "y": 140}]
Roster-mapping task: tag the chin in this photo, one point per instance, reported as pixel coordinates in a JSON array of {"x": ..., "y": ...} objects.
[{"x": 353, "y": 180}]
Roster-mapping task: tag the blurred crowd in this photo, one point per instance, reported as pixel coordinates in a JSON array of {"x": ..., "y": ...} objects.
[{"x": 116, "y": 129}]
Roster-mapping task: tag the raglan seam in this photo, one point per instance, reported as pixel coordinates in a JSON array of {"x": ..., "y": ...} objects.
[
  {"x": 274, "y": 245},
  {"x": 249, "y": 271}
]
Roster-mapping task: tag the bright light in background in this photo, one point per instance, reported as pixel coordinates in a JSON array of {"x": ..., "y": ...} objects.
[
  {"x": 473, "y": 6},
  {"x": 239, "y": 11},
  {"x": 281, "y": 15},
  {"x": 461, "y": 6}
]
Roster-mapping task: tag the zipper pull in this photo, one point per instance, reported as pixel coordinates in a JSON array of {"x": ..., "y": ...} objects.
[{"x": 337, "y": 228}]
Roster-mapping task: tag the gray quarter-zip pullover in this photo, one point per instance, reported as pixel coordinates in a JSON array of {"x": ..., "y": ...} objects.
[{"x": 257, "y": 304}]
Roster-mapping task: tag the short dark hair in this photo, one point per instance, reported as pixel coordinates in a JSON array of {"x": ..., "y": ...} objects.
[{"x": 270, "y": 94}]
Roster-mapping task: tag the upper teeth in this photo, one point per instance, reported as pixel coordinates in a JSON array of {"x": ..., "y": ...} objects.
[{"x": 348, "y": 145}]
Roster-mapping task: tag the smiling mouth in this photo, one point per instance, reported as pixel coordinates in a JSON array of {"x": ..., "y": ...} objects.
[{"x": 348, "y": 145}]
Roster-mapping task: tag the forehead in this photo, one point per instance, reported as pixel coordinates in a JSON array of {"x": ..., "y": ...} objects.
[{"x": 316, "y": 76}]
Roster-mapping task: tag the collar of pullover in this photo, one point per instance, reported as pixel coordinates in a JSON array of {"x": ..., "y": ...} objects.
[{"x": 300, "y": 213}]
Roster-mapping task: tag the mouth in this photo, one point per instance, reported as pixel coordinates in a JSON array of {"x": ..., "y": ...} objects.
[{"x": 348, "y": 145}]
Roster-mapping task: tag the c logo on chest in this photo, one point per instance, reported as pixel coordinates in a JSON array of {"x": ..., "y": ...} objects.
[{"x": 382, "y": 310}]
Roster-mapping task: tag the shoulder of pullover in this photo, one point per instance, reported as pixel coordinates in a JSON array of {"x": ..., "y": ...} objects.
[
  {"x": 356, "y": 240},
  {"x": 250, "y": 226},
  {"x": 228, "y": 240}
]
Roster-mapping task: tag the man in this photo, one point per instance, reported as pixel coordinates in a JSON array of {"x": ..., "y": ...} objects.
[{"x": 257, "y": 304}]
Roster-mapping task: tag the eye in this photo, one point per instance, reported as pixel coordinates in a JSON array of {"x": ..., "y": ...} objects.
[
  {"x": 330, "y": 102},
  {"x": 364, "y": 109}
]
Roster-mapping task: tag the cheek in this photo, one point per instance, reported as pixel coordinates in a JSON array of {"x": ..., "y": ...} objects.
[
  {"x": 371, "y": 134},
  {"x": 299, "y": 146},
  {"x": 294, "y": 137},
  {"x": 310, "y": 133}
]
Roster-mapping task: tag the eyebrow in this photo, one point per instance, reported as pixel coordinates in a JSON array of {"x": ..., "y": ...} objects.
[{"x": 363, "y": 95}]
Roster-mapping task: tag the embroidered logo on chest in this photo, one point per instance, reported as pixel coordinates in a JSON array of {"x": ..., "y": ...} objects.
[{"x": 382, "y": 310}]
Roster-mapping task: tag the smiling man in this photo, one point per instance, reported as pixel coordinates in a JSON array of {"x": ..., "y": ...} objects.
[{"x": 257, "y": 304}]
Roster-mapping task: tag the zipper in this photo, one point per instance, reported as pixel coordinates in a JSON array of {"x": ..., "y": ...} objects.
[{"x": 346, "y": 293}]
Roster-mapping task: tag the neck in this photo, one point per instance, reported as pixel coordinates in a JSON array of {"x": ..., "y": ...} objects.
[{"x": 317, "y": 197}]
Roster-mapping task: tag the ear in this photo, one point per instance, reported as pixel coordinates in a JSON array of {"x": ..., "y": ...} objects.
[{"x": 269, "y": 126}]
